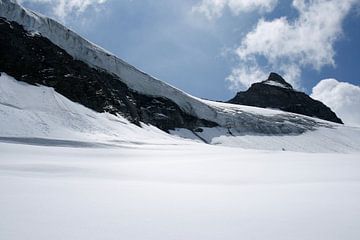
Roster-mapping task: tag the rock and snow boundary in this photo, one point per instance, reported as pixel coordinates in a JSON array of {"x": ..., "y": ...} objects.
[{"x": 29, "y": 111}]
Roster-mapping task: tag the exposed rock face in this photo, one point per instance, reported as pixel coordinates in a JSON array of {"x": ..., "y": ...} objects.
[
  {"x": 34, "y": 59},
  {"x": 275, "y": 92}
]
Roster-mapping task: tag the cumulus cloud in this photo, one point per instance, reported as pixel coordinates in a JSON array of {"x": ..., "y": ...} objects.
[
  {"x": 343, "y": 98},
  {"x": 215, "y": 8},
  {"x": 249, "y": 73},
  {"x": 62, "y": 8},
  {"x": 287, "y": 46}
]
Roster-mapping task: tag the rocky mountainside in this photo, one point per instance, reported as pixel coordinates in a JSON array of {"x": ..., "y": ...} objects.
[
  {"x": 275, "y": 92},
  {"x": 36, "y": 60}
]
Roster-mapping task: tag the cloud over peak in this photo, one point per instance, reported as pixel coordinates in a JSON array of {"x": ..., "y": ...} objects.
[
  {"x": 290, "y": 45},
  {"x": 341, "y": 97}
]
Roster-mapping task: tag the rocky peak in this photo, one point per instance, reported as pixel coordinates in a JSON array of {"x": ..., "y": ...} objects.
[
  {"x": 275, "y": 79},
  {"x": 275, "y": 92}
]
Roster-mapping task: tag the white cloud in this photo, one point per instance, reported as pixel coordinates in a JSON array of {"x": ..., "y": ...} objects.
[
  {"x": 249, "y": 74},
  {"x": 289, "y": 46},
  {"x": 341, "y": 97},
  {"x": 214, "y": 8},
  {"x": 62, "y": 8}
]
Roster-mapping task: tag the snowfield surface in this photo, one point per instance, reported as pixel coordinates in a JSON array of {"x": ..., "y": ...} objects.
[{"x": 193, "y": 192}]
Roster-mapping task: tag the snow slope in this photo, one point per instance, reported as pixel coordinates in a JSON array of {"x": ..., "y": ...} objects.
[
  {"x": 325, "y": 137},
  {"x": 28, "y": 112}
]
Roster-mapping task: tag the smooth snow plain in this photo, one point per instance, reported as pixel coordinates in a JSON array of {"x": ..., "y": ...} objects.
[
  {"x": 67, "y": 172},
  {"x": 179, "y": 191}
]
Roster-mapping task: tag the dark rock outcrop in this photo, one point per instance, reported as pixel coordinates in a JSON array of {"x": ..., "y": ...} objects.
[
  {"x": 275, "y": 92},
  {"x": 36, "y": 60}
]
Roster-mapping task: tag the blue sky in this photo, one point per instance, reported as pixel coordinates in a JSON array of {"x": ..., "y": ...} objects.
[{"x": 213, "y": 48}]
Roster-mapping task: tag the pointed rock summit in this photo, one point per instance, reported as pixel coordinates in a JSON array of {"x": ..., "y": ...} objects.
[
  {"x": 275, "y": 79},
  {"x": 275, "y": 92}
]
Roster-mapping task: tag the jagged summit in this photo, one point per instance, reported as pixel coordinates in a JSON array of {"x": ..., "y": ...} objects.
[
  {"x": 275, "y": 92},
  {"x": 275, "y": 79}
]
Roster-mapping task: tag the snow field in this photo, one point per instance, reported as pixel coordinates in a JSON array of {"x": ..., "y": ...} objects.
[{"x": 176, "y": 192}]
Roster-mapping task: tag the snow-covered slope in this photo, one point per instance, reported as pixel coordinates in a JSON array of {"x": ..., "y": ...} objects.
[
  {"x": 28, "y": 111},
  {"x": 326, "y": 137}
]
